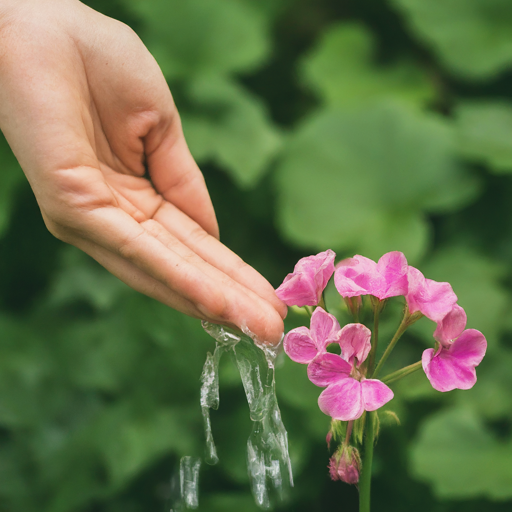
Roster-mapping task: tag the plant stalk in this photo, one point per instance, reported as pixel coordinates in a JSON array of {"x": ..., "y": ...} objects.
[
  {"x": 401, "y": 329},
  {"x": 403, "y": 372},
  {"x": 366, "y": 474},
  {"x": 377, "y": 308}
]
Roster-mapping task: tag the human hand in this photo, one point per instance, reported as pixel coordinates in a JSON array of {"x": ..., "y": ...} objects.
[{"x": 86, "y": 110}]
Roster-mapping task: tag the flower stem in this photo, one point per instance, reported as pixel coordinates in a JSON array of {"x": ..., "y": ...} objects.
[
  {"x": 407, "y": 320},
  {"x": 377, "y": 306},
  {"x": 309, "y": 310},
  {"x": 400, "y": 374},
  {"x": 366, "y": 474},
  {"x": 349, "y": 433},
  {"x": 321, "y": 302}
]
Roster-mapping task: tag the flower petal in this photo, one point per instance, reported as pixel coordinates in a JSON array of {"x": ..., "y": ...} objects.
[
  {"x": 443, "y": 372},
  {"x": 375, "y": 394},
  {"x": 451, "y": 326},
  {"x": 298, "y": 290},
  {"x": 307, "y": 282},
  {"x": 435, "y": 300},
  {"x": 355, "y": 342},
  {"x": 454, "y": 367},
  {"x": 300, "y": 346},
  {"x": 362, "y": 276},
  {"x": 342, "y": 401},
  {"x": 328, "y": 369},
  {"x": 324, "y": 328},
  {"x": 353, "y": 276},
  {"x": 393, "y": 269},
  {"x": 469, "y": 348}
]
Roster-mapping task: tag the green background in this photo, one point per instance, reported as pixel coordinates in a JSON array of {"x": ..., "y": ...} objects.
[{"x": 360, "y": 125}]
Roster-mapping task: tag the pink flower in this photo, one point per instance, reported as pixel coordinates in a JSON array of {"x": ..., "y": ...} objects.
[
  {"x": 348, "y": 392},
  {"x": 302, "y": 344},
  {"x": 310, "y": 276},
  {"x": 432, "y": 299},
  {"x": 452, "y": 366},
  {"x": 362, "y": 276},
  {"x": 345, "y": 466}
]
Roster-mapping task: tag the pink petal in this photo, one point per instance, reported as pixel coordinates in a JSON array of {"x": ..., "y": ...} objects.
[
  {"x": 375, "y": 394},
  {"x": 469, "y": 348},
  {"x": 355, "y": 342},
  {"x": 300, "y": 346},
  {"x": 454, "y": 368},
  {"x": 325, "y": 328},
  {"x": 320, "y": 267},
  {"x": 342, "y": 401},
  {"x": 353, "y": 276},
  {"x": 328, "y": 369},
  {"x": 435, "y": 300},
  {"x": 298, "y": 290},
  {"x": 393, "y": 268},
  {"x": 362, "y": 276},
  {"x": 307, "y": 282},
  {"x": 451, "y": 326}
]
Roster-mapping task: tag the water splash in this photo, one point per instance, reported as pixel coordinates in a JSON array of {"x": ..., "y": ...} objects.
[
  {"x": 268, "y": 461},
  {"x": 189, "y": 482}
]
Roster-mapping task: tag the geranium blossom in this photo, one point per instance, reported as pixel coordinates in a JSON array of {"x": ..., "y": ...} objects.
[
  {"x": 304, "y": 286},
  {"x": 452, "y": 366},
  {"x": 362, "y": 276},
  {"x": 345, "y": 465},
  {"x": 302, "y": 344},
  {"x": 432, "y": 299},
  {"x": 348, "y": 392}
]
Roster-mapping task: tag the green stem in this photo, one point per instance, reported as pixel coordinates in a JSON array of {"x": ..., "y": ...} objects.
[
  {"x": 401, "y": 329},
  {"x": 400, "y": 374},
  {"x": 366, "y": 474},
  {"x": 377, "y": 308},
  {"x": 309, "y": 310},
  {"x": 321, "y": 302},
  {"x": 349, "y": 433}
]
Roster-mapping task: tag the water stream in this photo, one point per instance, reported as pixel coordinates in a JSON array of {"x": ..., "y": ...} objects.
[{"x": 268, "y": 461}]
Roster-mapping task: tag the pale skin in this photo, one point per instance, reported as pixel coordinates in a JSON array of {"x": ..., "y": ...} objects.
[{"x": 86, "y": 110}]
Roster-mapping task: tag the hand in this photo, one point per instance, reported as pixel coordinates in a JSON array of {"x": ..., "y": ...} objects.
[{"x": 86, "y": 111}]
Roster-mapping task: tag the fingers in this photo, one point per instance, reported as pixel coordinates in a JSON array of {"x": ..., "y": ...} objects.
[
  {"x": 137, "y": 279},
  {"x": 217, "y": 254},
  {"x": 176, "y": 176},
  {"x": 163, "y": 259}
]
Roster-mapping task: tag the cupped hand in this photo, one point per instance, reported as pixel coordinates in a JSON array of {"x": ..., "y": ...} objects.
[{"x": 89, "y": 115}]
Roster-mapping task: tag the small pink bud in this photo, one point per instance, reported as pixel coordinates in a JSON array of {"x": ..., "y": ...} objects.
[
  {"x": 345, "y": 465},
  {"x": 328, "y": 439}
]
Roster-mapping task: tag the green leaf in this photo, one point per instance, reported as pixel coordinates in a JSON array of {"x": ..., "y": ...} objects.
[
  {"x": 130, "y": 440},
  {"x": 460, "y": 458},
  {"x": 473, "y": 38},
  {"x": 232, "y": 128},
  {"x": 484, "y": 132},
  {"x": 341, "y": 70},
  {"x": 362, "y": 180},
  {"x": 229, "y": 502},
  {"x": 11, "y": 176},
  {"x": 196, "y": 37},
  {"x": 81, "y": 278}
]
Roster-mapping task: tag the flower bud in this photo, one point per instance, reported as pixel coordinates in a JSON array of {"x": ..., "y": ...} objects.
[
  {"x": 354, "y": 304},
  {"x": 345, "y": 465},
  {"x": 328, "y": 439}
]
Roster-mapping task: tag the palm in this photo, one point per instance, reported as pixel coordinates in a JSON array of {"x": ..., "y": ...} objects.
[{"x": 87, "y": 112}]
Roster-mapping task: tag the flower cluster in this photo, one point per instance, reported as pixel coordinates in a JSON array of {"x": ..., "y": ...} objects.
[
  {"x": 350, "y": 388},
  {"x": 348, "y": 392}
]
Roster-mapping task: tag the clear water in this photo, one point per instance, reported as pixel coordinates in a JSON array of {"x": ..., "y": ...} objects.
[{"x": 268, "y": 461}]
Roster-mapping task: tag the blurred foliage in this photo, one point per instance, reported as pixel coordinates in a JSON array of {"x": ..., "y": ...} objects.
[{"x": 364, "y": 126}]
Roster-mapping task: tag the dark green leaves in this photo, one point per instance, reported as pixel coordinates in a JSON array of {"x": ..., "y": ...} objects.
[
  {"x": 473, "y": 38},
  {"x": 362, "y": 180}
]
